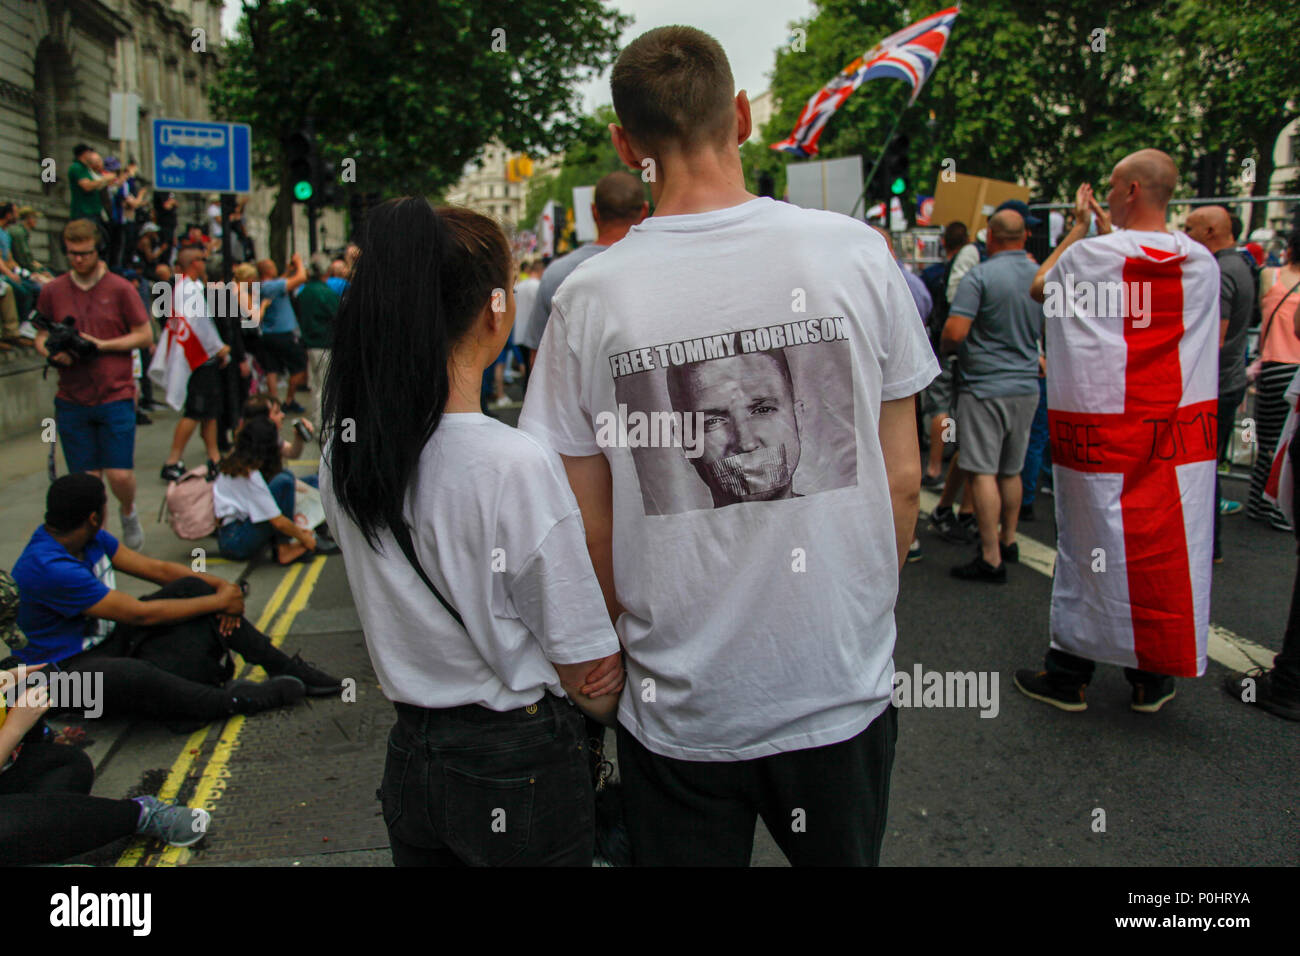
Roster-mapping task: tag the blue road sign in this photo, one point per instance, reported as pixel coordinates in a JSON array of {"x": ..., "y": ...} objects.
[{"x": 197, "y": 157}]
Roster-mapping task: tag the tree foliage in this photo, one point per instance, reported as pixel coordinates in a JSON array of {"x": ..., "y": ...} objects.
[
  {"x": 1053, "y": 92},
  {"x": 411, "y": 89}
]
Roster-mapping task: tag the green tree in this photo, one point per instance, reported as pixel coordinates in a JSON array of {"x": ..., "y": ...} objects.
[
  {"x": 589, "y": 155},
  {"x": 1057, "y": 92},
  {"x": 411, "y": 90}
]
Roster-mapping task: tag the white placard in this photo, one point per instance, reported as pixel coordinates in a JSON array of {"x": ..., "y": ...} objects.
[
  {"x": 833, "y": 184},
  {"x": 583, "y": 221},
  {"x": 124, "y": 117}
]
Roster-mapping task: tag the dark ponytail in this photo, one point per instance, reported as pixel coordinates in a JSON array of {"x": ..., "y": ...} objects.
[{"x": 421, "y": 280}]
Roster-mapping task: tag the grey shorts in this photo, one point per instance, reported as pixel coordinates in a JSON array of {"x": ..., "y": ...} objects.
[
  {"x": 993, "y": 433},
  {"x": 938, "y": 398}
]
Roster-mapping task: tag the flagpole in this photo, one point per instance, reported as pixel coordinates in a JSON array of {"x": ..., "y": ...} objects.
[{"x": 879, "y": 158}]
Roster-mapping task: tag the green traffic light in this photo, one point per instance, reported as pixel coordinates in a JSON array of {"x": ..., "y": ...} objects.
[
  {"x": 899, "y": 186},
  {"x": 302, "y": 190}
]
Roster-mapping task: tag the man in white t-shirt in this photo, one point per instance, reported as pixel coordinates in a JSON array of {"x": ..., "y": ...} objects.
[{"x": 732, "y": 390}]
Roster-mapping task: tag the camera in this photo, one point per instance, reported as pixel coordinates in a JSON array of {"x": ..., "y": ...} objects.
[
  {"x": 302, "y": 430},
  {"x": 64, "y": 337}
]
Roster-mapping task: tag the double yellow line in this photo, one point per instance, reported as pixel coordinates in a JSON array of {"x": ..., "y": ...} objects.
[{"x": 212, "y": 779}]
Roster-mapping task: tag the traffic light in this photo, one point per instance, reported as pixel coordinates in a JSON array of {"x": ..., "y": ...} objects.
[
  {"x": 299, "y": 157},
  {"x": 892, "y": 177},
  {"x": 518, "y": 168},
  {"x": 1209, "y": 175}
]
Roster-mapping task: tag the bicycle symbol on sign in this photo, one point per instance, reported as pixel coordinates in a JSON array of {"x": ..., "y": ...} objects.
[{"x": 203, "y": 162}]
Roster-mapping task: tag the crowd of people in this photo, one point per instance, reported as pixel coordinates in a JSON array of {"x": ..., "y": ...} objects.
[
  {"x": 737, "y": 571},
  {"x": 167, "y": 656}
]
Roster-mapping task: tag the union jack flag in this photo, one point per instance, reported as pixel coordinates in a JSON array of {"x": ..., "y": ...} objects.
[{"x": 909, "y": 55}]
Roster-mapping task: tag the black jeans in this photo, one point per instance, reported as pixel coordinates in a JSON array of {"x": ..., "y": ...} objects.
[
  {"x": 169, "y": 671},
  {"x": 46, "y": 812},
  {"x": 468, "y": 786},
  {"x": 824, "y": 806},
  {"x": 1072, "y": 670},
  {"x": 1227, "y": 413}
]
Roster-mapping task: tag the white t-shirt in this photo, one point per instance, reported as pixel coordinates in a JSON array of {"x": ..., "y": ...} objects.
[
  {"x": 756, "y": 560},
  {"x": 243, "y": 498},
  {"x": 497, "y": 529}
]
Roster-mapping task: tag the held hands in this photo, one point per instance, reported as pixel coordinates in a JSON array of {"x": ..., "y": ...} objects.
[
  {"x": 232, "y": 598},
  {"x": 308, "y": 540},
  {"x": 606, "y": 677}
]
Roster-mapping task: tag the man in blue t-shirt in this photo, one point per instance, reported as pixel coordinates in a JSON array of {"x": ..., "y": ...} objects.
[
  {"x": 282, "y": 353},
  {"x": 159, "y": 656}
]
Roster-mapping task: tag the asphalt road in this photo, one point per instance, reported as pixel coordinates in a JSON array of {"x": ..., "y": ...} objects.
[{"x": 1207, "y": 781}]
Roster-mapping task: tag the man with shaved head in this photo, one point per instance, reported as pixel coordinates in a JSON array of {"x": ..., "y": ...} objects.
[
  {"x": 993, "y": 325},
  {"x": 1211, "y": 226},
  {"x": 1132, "y": 332}
]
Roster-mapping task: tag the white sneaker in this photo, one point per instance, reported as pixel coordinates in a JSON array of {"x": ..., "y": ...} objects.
[
  {"x": 26, "y": 330},
  {"x": 132, "y": 533}
]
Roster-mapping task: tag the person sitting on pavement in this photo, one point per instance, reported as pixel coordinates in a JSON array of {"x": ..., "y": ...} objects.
[
  {"x": 253, "y": 498},
  {"x": 164, "y": 656},
  {"x": 47, "y": 814}
]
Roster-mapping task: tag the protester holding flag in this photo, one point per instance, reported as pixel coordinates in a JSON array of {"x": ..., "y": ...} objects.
[
  {"x": 188, "y": 364},
  {"x": 1132, "y": 329}
]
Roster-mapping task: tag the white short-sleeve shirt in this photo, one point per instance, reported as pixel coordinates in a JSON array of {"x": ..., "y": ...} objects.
[{"x": 730, "y": 366}]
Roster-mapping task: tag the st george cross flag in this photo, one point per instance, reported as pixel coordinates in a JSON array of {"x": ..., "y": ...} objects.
[
  {"x": 1132, "y": 397},
  {"x": 909, "y": 55},
  {"x": 189, "y": 339},
  {"x": 1280, "y": 489}
]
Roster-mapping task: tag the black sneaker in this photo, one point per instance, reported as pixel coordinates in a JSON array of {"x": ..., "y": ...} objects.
[
  {"x": 914, "y": 552},
  {"x": 1027, "y": 512},
  {"x": 1010, "y": 552},
  {"x": 172, "y": 472},
  {"x": 1148, "y": 698},
  {"x": 1037, "y": 685},
  {"x": 316, "y": 681},
  {"x": 945, "y": 524},
  {"x": 141, "y": 418},
  {"x": 248, "y": 697},
  {"x": 981, "y": 570},
  {"x": 326, "y": 545},
  {"x": 967, "y": 520},
  {"x": 212, "y": 470},
  {"x": 931, "y": 481},
  {"x": 1264, "y": 692}
]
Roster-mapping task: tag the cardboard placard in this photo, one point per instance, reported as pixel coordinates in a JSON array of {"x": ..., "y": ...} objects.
[{"x": 972, "y": 199}]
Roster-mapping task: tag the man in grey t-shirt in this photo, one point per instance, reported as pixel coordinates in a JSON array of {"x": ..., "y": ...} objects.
[
  {"x": 618, "y": 205},
  {"x": 994, "y": 326},
  {"x": 1211, "y": 226}
]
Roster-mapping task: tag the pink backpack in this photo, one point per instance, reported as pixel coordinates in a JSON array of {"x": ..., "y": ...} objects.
[{"x": 189, "y": 506}]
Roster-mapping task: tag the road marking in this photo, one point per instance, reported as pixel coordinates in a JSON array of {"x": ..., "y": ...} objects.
[
  {"x": 1223, "y": 646},
  {"x": 215, "y": 773},
  {"x": 181, "y": 767}
]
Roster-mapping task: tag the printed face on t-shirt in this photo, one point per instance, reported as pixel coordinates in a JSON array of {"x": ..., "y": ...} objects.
[{"x": 747, "y": 406}]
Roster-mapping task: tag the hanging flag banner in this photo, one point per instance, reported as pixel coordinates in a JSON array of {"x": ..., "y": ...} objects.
[{"x": 909, "y": 55}]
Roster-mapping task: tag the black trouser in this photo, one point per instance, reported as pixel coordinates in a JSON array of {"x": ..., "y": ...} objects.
[
  {"x": 1227, "y": 414},
  {"x": 46, "y": 812},
  {"x": 468, "y": 786},
  {"x": 824, "y": 806},
  {"x": 1072, "y": 670},
  {"x": 1286, "y": 665},
  {"x": 167, "y": 671}
]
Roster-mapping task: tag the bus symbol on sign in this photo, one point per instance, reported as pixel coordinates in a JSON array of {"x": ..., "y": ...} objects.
[{"x": 189, "y": 136}]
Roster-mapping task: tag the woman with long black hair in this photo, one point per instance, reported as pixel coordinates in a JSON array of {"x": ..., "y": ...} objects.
[{"x": 465, "y": 553}]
